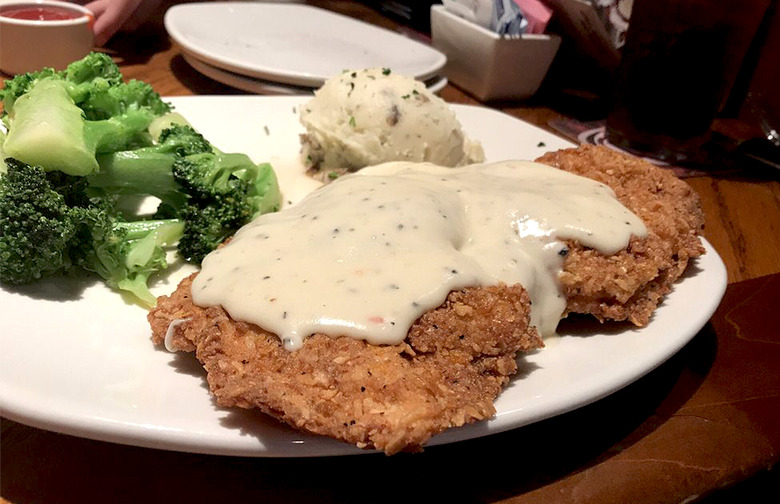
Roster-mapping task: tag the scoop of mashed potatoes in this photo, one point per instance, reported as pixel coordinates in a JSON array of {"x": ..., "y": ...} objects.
[{"x": 366, "y": 117}]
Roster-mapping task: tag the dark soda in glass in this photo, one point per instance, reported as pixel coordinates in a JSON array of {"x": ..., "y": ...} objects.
[{"x": 678, "y": 65}]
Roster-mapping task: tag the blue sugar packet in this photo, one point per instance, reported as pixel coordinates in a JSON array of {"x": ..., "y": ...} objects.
[
  {"x": 501, "y": 16},
  {"x": 506, "y": 18}
]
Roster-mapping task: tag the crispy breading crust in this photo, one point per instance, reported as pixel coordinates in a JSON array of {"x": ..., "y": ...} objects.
[
  {"x": 453, "y": 364},
  {"x": 630, "y": 284}
]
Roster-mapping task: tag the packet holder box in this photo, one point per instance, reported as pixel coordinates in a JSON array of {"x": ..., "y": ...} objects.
[{"x": 488, "y": 65}]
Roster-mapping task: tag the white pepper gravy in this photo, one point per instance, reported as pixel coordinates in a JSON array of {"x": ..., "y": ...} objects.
[{"x": 366, "y": 255}]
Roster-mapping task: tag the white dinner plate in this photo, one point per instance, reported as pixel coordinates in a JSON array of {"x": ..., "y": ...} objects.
[
  {"x": 77, "y": 359},
  {"x": 293, "y": 44},
  {"x": 262, "y": 86}
]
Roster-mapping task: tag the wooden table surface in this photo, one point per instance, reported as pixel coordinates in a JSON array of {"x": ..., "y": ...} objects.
[{"x": 705, "y": 420}]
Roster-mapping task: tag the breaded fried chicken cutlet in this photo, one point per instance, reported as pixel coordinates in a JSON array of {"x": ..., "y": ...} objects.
[
  {"x": 455, "y": 361},
  {"x": 392, "y": 304},
  {"x": 629, "y": 285}
]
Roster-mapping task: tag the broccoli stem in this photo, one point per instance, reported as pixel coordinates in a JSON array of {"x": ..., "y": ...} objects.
[
  {"x": 47, "y": 130},
  {"x": 138, "y": 172}
]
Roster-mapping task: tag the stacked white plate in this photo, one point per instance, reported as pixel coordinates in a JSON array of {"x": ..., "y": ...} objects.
[{"x": 288, "y": 48}]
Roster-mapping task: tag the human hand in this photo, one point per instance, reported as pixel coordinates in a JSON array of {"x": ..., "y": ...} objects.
[{"x": 111, "y": 16}]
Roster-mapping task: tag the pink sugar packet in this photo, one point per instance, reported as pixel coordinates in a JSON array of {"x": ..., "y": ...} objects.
[{"x": 536, "y": 13}]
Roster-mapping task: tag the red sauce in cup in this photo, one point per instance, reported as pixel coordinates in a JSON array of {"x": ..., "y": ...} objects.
[{"x": 35, "y": 13}]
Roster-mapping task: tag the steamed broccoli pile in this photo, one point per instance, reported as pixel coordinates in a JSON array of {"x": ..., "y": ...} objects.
[{"x": 80, "y": 142}]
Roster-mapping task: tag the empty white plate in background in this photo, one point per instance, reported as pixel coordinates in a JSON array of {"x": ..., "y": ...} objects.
[{"x": 293, "y": 44}]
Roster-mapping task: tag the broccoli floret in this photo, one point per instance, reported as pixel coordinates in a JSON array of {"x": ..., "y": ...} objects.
[
  {"x": 212, "y": 192},
  {"x": 164, "y": 122},
  {"x": 226, "y": 191},
  {"x": 79, "y": 140},
  {"x": 96, "y": 85},
  {"x": 94, "y": 66},
  {"x": 61, "y": 120},
  {"x": 36, "y": 225},
  {"x": 205, "y": 228},
  {"x": 126, "y": 254},
  {"x": 49, "y": 224},
  {"x": 89, "y": 81}
]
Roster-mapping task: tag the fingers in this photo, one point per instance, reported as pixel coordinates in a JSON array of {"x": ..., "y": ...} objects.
[{"x": 111, "y": 16}]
